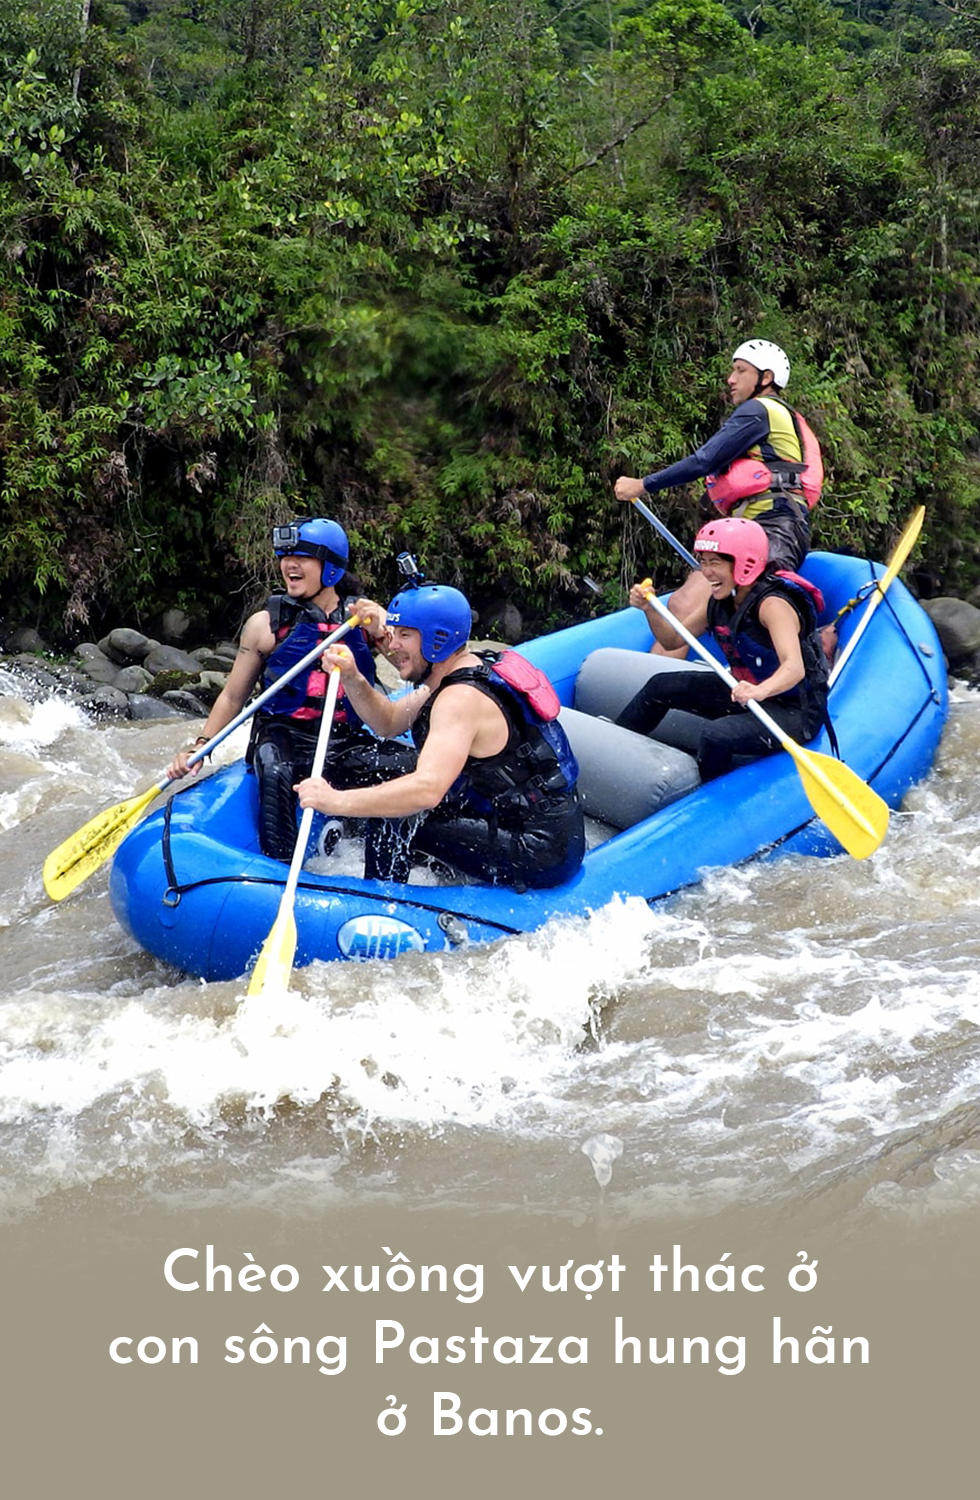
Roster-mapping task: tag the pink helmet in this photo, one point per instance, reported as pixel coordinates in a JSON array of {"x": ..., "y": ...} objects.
[{"x": 745, "y": 542}]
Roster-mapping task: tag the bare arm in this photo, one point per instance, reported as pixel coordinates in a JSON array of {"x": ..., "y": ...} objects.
[
  {"x": 388, "y": 717},
  {"x": 783, "y": 624},
  {"x": 256, "y": 643},
  {"x": 695, "y": 620},
  {"x": 463, "y": 720}
]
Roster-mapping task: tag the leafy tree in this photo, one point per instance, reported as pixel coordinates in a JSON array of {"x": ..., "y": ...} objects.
[{"x": 443, "y": 271}]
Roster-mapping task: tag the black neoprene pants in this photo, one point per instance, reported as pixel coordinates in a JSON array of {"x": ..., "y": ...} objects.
[
  {"x": 787, "y": 528},
  {"x": 542, "y": 849},
  {"x": 282, "y": 754},
  {"x": 730, "y": 731}
]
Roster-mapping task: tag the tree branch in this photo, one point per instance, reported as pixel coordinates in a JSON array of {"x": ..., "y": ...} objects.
[{"x": 624, "y": 135}]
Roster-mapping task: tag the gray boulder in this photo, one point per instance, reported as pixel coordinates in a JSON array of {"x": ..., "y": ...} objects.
[
  {"x": 504, "y": 620},
  {"x": 142, "y": 706},
  {"x": 31, "y": 670},
  {"x": 95, "y": 664},
  {"x": 133, "y": 679},
  {"x": 211, "y": 661},
  {"x": 186, "y": 702},
  {"x": 25, "y": 638},
  {"x": 170, "y": 659},
  {"x": 958, "y": 627},
  {"x": 107, "y": 703},
  {"x": 125, "y": 646}
]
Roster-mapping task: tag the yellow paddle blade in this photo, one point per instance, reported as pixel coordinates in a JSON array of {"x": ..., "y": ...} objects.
[
  {"x": 852, "y": 810},
  {"x": 82, "y": 854},
  {"x": 903, "y": 547},
  {"x": 275, "y": 963}
]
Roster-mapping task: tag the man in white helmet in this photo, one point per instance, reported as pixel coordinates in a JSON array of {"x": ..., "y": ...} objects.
[{"x": 752, "y": 464}]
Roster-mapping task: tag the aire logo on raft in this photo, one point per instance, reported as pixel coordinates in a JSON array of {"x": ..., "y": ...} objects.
[{"x": 378, "y": 937}]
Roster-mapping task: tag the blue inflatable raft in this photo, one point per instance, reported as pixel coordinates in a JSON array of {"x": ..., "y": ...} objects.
[{"x": 192, "y": 888}]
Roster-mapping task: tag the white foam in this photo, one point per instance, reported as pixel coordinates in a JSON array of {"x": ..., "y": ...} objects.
[{"x": 782, "y": 1016}]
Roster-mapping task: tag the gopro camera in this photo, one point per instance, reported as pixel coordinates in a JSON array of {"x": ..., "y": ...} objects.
[
  {"x": 409, "y": 569},
  {"x": 285, "y": 538}
]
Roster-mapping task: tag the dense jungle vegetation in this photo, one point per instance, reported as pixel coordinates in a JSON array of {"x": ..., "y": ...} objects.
[{"x": 443, "y": 270}]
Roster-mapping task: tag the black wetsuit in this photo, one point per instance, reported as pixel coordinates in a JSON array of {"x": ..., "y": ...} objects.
[{"x": 509, "y": 819}]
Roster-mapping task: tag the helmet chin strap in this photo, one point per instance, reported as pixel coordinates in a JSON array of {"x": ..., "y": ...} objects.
[{"x": 430, "y": 664}]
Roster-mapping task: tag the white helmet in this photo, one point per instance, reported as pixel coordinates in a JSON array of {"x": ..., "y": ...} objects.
[{"x": 765, "y": 356}]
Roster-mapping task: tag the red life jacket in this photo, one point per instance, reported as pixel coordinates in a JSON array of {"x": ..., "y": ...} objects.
[
  {"x": 530, "y": 681},
  {"x": 751, "y": 476}
]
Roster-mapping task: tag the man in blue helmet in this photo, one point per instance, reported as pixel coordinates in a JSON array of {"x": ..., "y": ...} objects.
[
  {"x": 313, "y": 555},
  {"x": 495, "y": 778}
]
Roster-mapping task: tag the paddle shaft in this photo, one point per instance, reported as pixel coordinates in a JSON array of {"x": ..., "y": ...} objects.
[
  {"x": 716, "y": 666},
  {"x": 319, "y": 757},
  {"x": 668, "y": 536},
  {"x": 275, "y": 961},
  {"x": 270, "y": 692},
  {"x": 857, "y": 817},
  {"x": 903, "y": 547}
]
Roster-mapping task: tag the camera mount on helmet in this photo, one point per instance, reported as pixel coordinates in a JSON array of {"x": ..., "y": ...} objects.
[
  {"x": 409, "y": 569},
  {"x": 311, "y": 537}
]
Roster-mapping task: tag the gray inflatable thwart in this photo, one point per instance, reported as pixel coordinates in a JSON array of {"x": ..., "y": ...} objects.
[{"x": 625, "y": 777}]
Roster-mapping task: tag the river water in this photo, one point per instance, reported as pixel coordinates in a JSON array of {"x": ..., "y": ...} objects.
[{"x": 798, "y": 1027}]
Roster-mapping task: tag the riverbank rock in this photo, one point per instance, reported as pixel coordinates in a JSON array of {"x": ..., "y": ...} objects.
[
  {"x": 125, "y": 675},
  {"x": 26, "y": 638},
  {"x": 131, "y": 675},
  {"x": 958, "y": 627},
  {"x": 504, "y": 619},
  {"x": 125, "y": 646}
]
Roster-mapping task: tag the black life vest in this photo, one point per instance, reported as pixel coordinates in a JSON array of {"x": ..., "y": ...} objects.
[
  {"x": 297, "y": 626},
  {"x": 747, "y": 644},
  {"x": 536, "y": 765}
]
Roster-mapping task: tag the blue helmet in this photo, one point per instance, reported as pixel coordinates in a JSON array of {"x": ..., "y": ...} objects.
[
  {"x": 325, "y": 540},
  {"x": 440, "y": 614}
]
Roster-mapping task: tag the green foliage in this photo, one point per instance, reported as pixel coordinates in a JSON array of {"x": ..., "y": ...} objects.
[
  {"x": 36, "y": 118},
  {"x": 444, "y": 272}
]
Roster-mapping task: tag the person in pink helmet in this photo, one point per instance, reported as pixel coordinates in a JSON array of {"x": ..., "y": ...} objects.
[{"x": 766, "y": 625}]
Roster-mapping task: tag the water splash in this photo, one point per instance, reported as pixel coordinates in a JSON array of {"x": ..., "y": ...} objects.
[{"x": 602, "y": 1150}]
